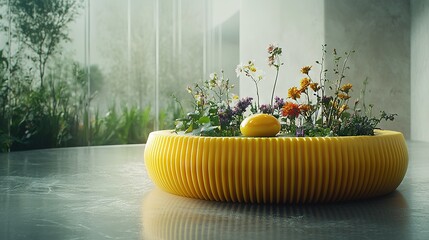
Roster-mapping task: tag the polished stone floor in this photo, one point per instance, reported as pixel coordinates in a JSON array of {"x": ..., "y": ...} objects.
[{"x": 105, "y": 193}]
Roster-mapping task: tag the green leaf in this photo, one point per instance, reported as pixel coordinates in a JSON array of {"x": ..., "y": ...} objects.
[
  {"x": 203, "y": 120},
  {"x": 207, "y": 129},
  {"x": 213, "y": 110},
  {"x": 215, "y": 120},
  {"x": 190, "y": 128}
]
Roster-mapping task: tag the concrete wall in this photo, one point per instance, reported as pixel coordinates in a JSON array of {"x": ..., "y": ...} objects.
[
  {"x": 390, "y": 38},
  {"x": 419, "y": 70},
  {"x": 379, "y": 31}
]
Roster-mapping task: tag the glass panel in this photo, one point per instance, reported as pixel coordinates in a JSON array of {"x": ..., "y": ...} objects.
[
  {"x": 111, "y": 72},
  {"x": 45, "y": 90},
  {"x": 181, "y": 59},
  {"x": 4, "y": 78},
  {"x": 122, "y": 52}
]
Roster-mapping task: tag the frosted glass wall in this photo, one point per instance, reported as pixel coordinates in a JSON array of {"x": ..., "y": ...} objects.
[{"x": 114, "y": 71}]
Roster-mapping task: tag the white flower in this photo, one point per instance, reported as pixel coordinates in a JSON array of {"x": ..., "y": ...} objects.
[{"x": 213, "y": 76}]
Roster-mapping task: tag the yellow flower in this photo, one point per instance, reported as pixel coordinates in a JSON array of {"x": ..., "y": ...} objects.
[
  {"x": 306, "y": 69},
  {"x": 252, "y": 68},
  {"x": 314, "y": 86},
  {"x": 343, "y": 96},
  {"x": 293, "y": 93},
  {"x": 305, "y": 82},
  {"x": 346, "y": 87}
]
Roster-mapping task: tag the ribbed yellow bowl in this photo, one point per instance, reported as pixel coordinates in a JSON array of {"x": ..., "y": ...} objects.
[{"x": 277, "y": 169}]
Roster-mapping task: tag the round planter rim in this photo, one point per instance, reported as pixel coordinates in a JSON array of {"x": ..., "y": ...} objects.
[{"x": 377, "y": 133}]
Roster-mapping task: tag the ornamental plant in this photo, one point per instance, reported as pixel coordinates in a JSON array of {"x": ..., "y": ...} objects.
[{"x": 319, "y": 107}]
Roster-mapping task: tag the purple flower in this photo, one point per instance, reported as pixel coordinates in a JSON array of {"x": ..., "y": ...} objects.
[
  {"x": 225, "y": 116},
  {"x": 300, "y": 132},
  {"x": 278, "y": 103},
  {"x": 242, "y": 105},
  {"x": 264, "y": 108}
]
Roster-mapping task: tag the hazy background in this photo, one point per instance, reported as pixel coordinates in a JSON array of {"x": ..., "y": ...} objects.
[
  {"x": 126, "y": 61},
  {"x": 148, "y": 50}
]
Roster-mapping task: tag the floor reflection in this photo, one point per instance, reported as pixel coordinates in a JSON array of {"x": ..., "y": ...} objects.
[{"x": 167, "y": 216}]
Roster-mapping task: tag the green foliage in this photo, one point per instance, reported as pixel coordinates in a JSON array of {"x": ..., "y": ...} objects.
[
  {"x": 5, "y": 140},
  {"x": 41, "y": 109},
  {"x": 362, "y": 124},
  {"x": 58, "y": 115},
  {"x": 41, "y": 25},
  {"x": 212, "y": 114},
  {"x": 42, "y": 117},
  {"x": 129, "y": 125},
  {"x": 132, "y": 125},
  {"x": 33, "y": 127}
]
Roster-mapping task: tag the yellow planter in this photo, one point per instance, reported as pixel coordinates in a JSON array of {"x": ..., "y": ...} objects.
[{"x": 277, "y": 169}]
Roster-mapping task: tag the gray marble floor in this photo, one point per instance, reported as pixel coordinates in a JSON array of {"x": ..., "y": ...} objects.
[{"x": 105, "y": 193}]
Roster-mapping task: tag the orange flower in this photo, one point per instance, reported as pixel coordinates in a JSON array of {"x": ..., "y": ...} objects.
[
  {"x": 343, "y": 96},
  {"x": 343, "y": 108},
  {"x": 290, "y": 109},
  {"x": 306, "y": 69},
  {"x": 305, "y": 82},
  {"x": 314, "y": 86},
  {"x": 346, "y": 87},
  {"x": 304, "y": 108},
  {"x": 293, "y": 93}
]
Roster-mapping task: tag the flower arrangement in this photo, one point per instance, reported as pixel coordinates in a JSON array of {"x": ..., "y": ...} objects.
[{"x": 316, "y": 108}]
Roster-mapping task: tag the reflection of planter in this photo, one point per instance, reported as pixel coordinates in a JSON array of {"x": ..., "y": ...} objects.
[
  {"x": 166, "y": 216},
  {"x": 279, "y": 169}
]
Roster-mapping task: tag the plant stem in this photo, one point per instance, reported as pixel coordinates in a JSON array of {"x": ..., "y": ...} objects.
[
  {"x": 257, "y": 92},
  {"x": 331, "y": 116},
  {"x": 343, "y": 69},
  {"x": 274, "y": 87},
  {"x": 322, "y": 83}
]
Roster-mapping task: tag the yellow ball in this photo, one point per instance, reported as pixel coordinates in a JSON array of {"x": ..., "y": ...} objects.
[{"x": 260, "y": 125}]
